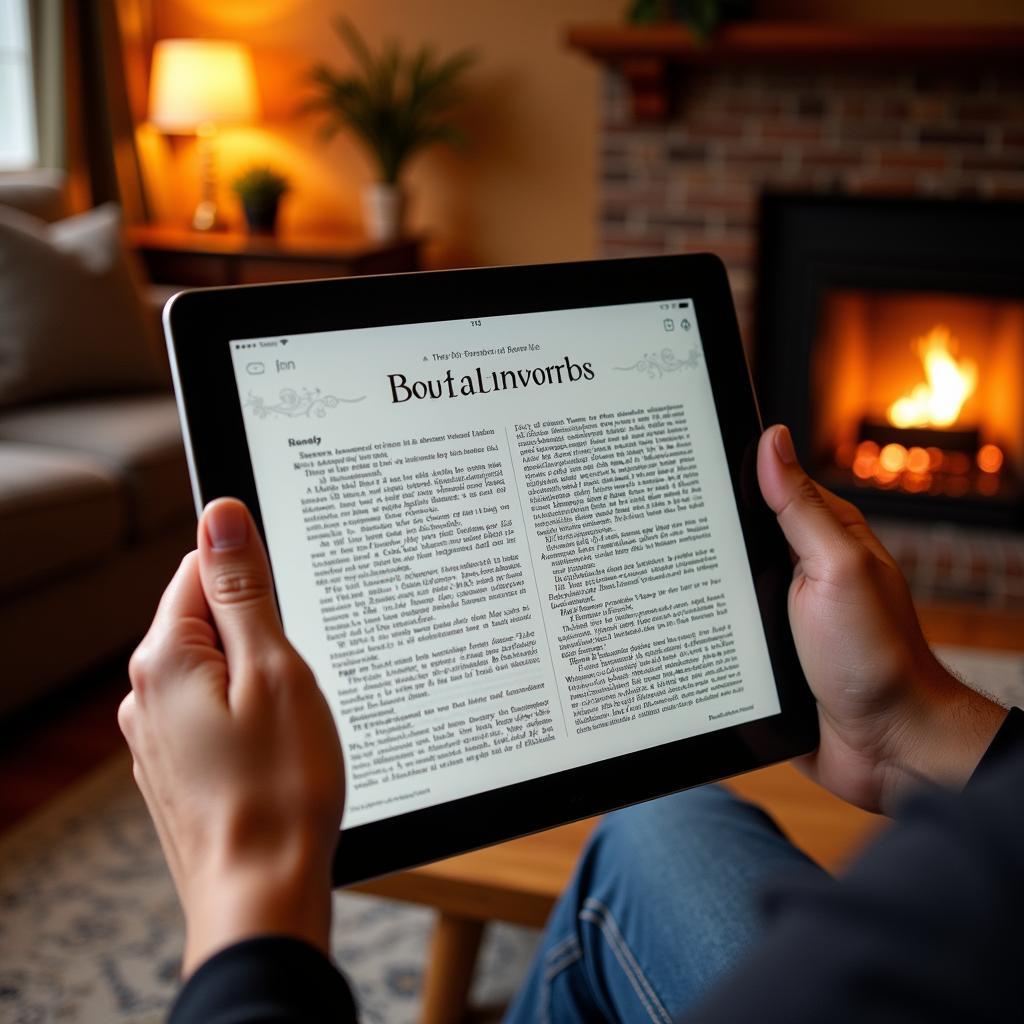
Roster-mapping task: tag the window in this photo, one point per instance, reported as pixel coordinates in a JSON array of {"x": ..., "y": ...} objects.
[{"x": 17, "y": 106}]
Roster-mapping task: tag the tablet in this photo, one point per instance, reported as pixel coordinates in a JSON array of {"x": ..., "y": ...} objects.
[{"x": 514, "y": 528}]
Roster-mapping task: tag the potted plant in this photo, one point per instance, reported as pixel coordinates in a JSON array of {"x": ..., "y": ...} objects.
[
  {"x": 702, "y": 16},
  {"x": 396, "y": 103},
  {"x": 260, "y": 189}
]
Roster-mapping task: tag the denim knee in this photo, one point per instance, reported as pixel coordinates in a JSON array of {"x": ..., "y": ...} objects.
[
  {"x": 703, "y": 817},
  {"x": 691, "y": 848}
]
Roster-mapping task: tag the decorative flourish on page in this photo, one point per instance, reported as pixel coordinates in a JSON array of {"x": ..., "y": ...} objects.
[
  {"x": 292, "y": 403},
  {"x": 657, "y": 364}
]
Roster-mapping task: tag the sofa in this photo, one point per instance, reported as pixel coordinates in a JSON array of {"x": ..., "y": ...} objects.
[{"x": 95, "y": 505}]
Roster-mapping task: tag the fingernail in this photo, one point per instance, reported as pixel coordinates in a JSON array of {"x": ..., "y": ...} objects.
[
  {"x": 226, "y": 526},
  {"x": 784, "y": 446}
]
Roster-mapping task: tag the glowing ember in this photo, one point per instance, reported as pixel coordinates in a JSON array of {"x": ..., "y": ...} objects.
[
  {"x": 949, "y": 382},
  {"x": 916, "y": 483},
  {"x": 918, "y": 461},
  {"x": 893, "y": 458},
  {"x": 990, "y": 458},
  {"x": 916, "y": 470},
  {"x": 864, "y": 467}
]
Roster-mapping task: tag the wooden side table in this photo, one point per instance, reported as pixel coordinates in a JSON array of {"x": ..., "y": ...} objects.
[{"x": 174, "y": 255}]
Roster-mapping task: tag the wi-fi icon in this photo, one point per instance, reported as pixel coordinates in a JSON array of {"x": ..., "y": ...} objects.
[{"x": 284, "y": 341}]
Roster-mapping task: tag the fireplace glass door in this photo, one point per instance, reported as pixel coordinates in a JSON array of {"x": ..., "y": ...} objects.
[{"x": 890, "y": 336}]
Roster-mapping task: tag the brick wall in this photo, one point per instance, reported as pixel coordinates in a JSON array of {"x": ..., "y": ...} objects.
[{"x": 693, "y": 184}]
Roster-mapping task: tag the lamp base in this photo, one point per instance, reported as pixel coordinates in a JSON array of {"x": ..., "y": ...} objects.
[{"x": 206, "y": 217}]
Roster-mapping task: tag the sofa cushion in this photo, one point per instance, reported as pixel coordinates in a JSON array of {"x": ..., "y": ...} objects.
[
  {"x": 58, "y": 511},
  {"x": 51, "y": 634},
  {"x": 137, "y": 439},
  {"x": 41, "y": 193},
  {"x": 71, "y": 319}
]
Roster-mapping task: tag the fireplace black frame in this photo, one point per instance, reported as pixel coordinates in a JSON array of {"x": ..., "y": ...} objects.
[{"x": 812, "y": 244}]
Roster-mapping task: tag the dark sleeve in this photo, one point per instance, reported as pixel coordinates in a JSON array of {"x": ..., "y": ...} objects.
[
  {"x": 269, "y": 980},
  {"x": 927, "y": 926}
]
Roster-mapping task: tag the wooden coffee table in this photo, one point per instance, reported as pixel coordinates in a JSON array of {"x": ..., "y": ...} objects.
[{"x": 520, "y": 881}]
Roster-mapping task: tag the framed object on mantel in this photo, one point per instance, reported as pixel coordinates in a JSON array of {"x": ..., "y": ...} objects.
[{"x": 177, "y": 256}]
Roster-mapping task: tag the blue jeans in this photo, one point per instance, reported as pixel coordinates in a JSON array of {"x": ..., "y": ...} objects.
[{"x": 665, "y": 899}]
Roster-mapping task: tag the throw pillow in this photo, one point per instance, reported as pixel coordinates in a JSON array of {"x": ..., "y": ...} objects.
[{"x": 71, "y": 320}]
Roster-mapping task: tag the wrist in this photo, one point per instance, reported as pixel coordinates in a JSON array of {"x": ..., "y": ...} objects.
[
  {"x": 941, "y": 734},
  {"x": 245, "y": 900}
]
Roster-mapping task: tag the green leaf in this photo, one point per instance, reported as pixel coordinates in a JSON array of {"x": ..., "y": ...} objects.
[{"x": 354, "y": 40}]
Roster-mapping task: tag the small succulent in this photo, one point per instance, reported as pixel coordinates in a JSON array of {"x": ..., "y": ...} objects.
[{"x": 260, "y": 184}]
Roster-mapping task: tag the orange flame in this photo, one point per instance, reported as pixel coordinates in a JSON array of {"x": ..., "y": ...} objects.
[{"x": 949, "y": 382}]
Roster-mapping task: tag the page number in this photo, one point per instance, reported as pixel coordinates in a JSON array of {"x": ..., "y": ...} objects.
[{"x": 476, "y": 323}]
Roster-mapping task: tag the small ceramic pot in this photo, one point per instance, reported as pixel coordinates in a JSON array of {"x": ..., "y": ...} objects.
[
  {"x": 261, "y": 213},
  {"x": 383, "y": 211}
]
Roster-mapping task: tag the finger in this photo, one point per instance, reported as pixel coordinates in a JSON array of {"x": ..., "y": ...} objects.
[
  {"x": 184, "y": 597},
  {"x": 811, "y": 525},
  {"x": 236, "y": 580},
  {"x": 126, "y": 713},
  {"x": 181, "y": 635},
  {"x": 852, "y": 519}
]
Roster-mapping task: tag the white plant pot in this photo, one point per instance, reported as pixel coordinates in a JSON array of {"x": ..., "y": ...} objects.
[{"x": 383, "y": 211}]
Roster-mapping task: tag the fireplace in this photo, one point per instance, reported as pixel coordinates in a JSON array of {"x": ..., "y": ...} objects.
[
  {"x": 864, "y": 186},
  {"x": 891, "y": 338}
]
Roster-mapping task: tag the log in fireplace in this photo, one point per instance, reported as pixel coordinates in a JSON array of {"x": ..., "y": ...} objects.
[{"x": 890, "y": 335}]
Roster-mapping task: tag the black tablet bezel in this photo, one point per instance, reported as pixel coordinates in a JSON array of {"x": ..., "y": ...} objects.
[{"x": 199, "y": 325}]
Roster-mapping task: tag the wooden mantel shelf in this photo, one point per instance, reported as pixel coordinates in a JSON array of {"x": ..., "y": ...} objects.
[{"x": 650, "y": 56}]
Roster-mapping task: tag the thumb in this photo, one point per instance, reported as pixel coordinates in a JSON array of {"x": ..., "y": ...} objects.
[
  {"x": 812, "y": 528},
  {"x": 236, "y": 579}
]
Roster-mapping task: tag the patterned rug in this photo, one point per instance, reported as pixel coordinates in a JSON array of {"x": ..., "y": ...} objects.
[{"x": 91, "y": 933}]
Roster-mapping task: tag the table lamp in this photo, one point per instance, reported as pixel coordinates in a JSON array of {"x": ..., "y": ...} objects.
[{"x": 197, "y": 85}]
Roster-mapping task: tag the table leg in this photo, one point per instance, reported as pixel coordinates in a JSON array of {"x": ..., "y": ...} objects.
[{"x": 453, "y": 953}]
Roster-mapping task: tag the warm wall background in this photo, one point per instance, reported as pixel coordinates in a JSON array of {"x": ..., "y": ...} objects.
[{"x": 527, "y": 189}]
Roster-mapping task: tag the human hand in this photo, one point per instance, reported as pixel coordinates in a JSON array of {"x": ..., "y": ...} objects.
[
  {"x": 888, "y": 711},
  {"x": 235, "y": 749}
]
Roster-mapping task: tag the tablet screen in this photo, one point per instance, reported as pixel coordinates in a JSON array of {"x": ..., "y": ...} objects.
[{"x": 507, "y": 547}]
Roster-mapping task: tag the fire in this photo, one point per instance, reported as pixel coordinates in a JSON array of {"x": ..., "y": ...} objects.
[{"x": 937, "y": 401}]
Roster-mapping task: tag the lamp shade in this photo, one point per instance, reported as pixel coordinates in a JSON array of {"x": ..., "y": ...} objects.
[{"x": 201, "y": 81}]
